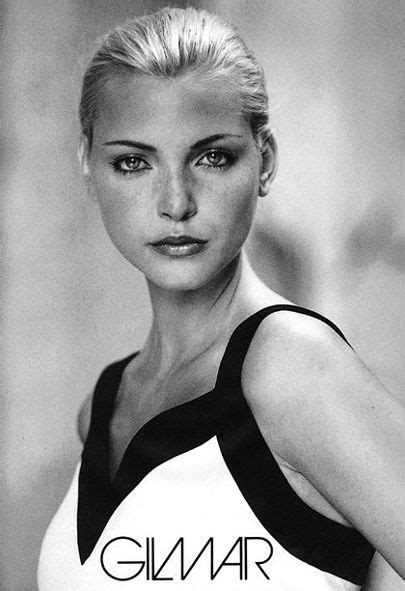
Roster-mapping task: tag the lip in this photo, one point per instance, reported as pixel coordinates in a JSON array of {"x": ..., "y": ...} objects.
[{"x": 178, "y": 246}]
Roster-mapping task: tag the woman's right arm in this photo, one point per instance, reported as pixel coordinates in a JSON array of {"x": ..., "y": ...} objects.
[{"x": 83, "y": 419}]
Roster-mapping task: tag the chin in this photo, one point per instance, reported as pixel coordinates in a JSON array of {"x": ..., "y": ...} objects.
[
  {"x": 179, "y": 281},
  {"x": 184, "y": 275}
]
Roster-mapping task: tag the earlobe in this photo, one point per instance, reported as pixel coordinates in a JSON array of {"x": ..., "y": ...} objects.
[
  {"x": 265, "y": 181},
  {"x": 269, "y": 167}
]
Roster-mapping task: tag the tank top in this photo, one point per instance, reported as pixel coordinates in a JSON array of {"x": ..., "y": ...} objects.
[{"x": 198, "y": 502}]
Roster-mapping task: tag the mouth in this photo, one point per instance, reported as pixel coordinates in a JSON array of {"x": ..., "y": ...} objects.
[{"x": 175, "y": 246}]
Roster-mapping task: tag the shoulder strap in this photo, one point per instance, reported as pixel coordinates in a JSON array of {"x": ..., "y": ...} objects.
[
  {"x": 229, "y": 373},
  {"x": 105, "y": 392}
]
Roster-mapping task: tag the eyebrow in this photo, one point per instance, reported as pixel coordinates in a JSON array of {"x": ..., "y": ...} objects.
[
  {"x": 131, "y": 144},
  {"x": 199, "y": 144},
  {"x": 213, "y": 138}
]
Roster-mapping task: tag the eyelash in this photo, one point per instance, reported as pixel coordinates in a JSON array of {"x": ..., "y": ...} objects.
[
  {"x": 117, "y": 163},
  {"x": 230, "y": 159}
]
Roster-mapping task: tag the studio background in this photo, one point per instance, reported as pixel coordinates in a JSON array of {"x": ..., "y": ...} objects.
[{"x": 331, "y": 235}]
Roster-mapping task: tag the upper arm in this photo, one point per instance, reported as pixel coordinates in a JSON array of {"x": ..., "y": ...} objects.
[
  {"x": 83, "y": 419},
  {"x": 321, "y": 410}
]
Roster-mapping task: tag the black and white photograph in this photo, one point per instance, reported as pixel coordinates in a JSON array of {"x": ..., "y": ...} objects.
[{"x": 203, "y": 295}]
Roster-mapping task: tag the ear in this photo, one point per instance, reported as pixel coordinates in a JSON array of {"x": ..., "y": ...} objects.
[
  {"x": 83, "y": 153},
  {"x": 269, "y": 166},
  {"x": 265, "y": 182}
]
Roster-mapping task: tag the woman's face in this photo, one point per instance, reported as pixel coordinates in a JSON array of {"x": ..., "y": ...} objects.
[{"x": 176, "y": 173}]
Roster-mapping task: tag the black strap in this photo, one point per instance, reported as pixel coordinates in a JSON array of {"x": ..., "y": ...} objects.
[
  {"x": 230, "y": 370},
  {"x": 105, "y": 393}
]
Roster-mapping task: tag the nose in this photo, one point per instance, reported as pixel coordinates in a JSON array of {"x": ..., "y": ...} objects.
[{"x": 176, "y": 200}]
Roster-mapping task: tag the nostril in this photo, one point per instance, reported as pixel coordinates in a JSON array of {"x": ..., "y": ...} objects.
[{"x": 178, "y": 207}]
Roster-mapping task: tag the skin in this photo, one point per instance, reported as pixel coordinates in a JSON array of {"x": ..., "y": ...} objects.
[
  {"x": 210, "y": 191},
  {"x": 180, "y": 182}
]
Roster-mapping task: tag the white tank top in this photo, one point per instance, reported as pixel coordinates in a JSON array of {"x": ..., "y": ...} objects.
[{"x": 198, "y": 503}]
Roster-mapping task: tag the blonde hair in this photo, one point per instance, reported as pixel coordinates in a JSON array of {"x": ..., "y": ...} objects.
[{"x": 173, "y": 42}]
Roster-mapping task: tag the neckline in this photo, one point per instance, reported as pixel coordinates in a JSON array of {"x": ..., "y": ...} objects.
[
  {"x": 227, "y": 357},
  {"x": 234, "y": 354},
  {"x": 111, "y": 482}
]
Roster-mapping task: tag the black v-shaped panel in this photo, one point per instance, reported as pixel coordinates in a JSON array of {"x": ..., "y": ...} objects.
[{"x": 224, "y": 413}]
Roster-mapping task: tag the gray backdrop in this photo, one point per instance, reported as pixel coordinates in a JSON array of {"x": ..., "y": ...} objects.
[{"x": 331, "y": 236}]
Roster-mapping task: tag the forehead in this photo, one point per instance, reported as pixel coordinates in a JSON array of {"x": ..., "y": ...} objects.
[{"x": 186, "y": 106}]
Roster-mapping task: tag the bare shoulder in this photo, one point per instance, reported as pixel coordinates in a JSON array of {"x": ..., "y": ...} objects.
[
  {"x": 299, "y": 366},
  {"x": 290, "y": 348},
  {"x": 83, "y": 419}
]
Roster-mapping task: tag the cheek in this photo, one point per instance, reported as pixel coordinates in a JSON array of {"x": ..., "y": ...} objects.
[
  {"x": 122, "y": 214},
  {"x": 238, "y": 205}
]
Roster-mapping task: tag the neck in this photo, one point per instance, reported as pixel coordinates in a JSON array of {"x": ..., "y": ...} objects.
[{"x": 188, "y": 323}]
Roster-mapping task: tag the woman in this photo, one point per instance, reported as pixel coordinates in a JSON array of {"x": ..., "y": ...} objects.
[{"x": 245, "y": 446}]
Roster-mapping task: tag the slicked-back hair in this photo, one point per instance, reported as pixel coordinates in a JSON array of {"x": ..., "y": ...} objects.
[{"x": 180, "y": 42}]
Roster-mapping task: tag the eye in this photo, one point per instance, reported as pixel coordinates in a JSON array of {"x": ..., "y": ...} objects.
[
  {"x": 215, "y": 159},
  {"x": 129, "y": 164}
]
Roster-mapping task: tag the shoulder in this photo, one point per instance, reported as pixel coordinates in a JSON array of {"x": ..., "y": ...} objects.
[
  {"x": 304, "y": 342},
  {"x": 83, "y": 419},
  {"x": 298, "y": 365}
]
